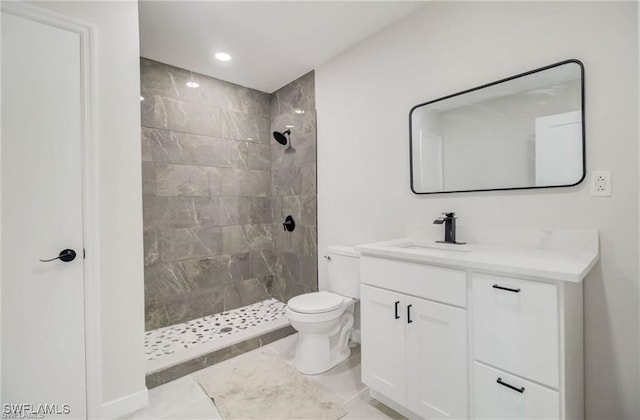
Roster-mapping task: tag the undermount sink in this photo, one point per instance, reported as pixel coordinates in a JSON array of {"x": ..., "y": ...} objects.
[{"x": 436, "y": 246}]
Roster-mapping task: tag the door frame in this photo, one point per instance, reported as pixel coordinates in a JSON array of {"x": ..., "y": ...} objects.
[{"x": 92, "y": 302}]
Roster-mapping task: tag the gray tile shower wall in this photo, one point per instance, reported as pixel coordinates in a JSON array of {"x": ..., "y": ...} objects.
[
  {"x": 207, "y": 195},
  {"x": 293, "y": 189}
]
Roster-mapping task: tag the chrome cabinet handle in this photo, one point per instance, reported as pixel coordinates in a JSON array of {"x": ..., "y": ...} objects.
[{"x": 65, "y": 255}]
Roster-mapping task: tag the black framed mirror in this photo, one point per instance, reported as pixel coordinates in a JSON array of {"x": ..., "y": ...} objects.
[{"x": 522, "y": 132}]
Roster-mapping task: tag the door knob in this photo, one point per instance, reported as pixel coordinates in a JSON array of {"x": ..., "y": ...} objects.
[{"x": 65, "y": 255}]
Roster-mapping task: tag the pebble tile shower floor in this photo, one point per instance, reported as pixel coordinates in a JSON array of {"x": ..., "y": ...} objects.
[{"x": 167, "y": 341}]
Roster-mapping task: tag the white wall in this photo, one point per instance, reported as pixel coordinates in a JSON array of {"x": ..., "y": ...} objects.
[
  {"x": 363, "y": 100},
  {"x": 117, "y": 117}
]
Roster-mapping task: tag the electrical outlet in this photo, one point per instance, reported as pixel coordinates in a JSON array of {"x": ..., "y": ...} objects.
[{"x": 601, "y": 183}]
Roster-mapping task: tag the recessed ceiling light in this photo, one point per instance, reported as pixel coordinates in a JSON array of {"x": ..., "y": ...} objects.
[
  {"x": 299, "y": 111},
  {"x": 289, "y": 126},
  {"x": 249, "y": 138},
  {"x": 141, "y": 98},
  {"x": 193, "y": 84},
  {"x": 222, "y": 56}
]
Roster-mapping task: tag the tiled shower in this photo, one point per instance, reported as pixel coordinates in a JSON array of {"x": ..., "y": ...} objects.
[{"x": 216, "y": 190}]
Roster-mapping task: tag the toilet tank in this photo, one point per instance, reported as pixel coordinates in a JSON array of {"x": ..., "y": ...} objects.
[{"x": 344, "y": 271}]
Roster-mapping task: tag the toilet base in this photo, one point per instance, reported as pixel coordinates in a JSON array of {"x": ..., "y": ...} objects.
[
  {"x": 312, "y": 362},
  {"x": 318, "y": 353},
  {"x": 342, "y": 356}
]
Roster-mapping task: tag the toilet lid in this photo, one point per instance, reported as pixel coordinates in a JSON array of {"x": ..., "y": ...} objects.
[{"x": 315, "y": 303}]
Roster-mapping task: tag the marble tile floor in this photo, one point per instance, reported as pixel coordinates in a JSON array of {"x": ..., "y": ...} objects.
[{"x": 185, "y": 399}]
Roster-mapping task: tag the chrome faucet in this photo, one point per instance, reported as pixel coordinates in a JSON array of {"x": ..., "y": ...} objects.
[{"x": 449, "y": 221}]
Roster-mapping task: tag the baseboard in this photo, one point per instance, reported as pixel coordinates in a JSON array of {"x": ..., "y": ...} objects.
[{"x": 125, "y": 405}]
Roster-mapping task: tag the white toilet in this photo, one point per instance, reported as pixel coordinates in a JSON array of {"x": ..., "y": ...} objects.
[{"x": 324, "y": 319}]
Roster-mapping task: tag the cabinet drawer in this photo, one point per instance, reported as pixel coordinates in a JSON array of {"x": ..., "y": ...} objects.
[
  {"x": 435, "y": 283},
  {"x": 496, "y": 400},
  {"x": 516, "y": 326}
]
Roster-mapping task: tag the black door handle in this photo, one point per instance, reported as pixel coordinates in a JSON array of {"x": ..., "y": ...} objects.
[
  {"x": 508, "y": 289},
  {"x": 397, "y": 303},
  {"x": 501, "y": 382},
  {"x": 409, "y": 321},
  {"x": 65, "y": 255}
]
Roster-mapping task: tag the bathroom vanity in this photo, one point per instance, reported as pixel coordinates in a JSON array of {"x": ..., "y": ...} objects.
[{"x": 477, "y": 331}]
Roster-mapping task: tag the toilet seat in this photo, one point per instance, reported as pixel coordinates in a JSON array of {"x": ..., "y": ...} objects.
[
  {"x": 316, "y": 303},
  {"x": 327, "y": 306}
]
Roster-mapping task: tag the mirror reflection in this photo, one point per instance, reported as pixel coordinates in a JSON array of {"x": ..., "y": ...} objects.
[{"x": 522, "y": 132}]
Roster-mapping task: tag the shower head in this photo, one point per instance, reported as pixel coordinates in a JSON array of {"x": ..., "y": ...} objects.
[{"x": 282, "y": 137}]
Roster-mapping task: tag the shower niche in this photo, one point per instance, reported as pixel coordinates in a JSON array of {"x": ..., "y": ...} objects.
[{"x": 217, "y": 186}]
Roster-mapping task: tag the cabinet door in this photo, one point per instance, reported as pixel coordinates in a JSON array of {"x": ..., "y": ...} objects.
[
  {"x": 437, "y": 377},
  {"x": 383, "y": 342}
]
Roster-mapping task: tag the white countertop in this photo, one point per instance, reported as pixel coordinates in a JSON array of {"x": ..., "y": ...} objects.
[{"x": 570, "y": 265}]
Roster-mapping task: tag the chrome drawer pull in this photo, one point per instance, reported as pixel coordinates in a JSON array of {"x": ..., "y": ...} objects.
[
  {"x": 508, "y": 289},
  {"x": 501, "y": 382}
]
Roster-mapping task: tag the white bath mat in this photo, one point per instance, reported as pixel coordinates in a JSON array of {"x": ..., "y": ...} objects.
[{"x": 264, "y": 387}]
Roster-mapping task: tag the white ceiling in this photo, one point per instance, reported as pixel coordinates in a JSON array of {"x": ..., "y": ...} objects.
[{"x": 272, "y": 43}]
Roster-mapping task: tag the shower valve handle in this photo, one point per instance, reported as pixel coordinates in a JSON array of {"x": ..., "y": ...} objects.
[{"x": 289, "y": 224}]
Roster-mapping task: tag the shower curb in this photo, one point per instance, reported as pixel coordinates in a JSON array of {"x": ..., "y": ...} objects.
[{"x": 174, "y": 372}]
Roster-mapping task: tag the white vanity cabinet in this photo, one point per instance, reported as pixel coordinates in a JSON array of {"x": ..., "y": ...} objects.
[
  {"x": 493, "y": 333},
  {"x": 414, "y": 350}
]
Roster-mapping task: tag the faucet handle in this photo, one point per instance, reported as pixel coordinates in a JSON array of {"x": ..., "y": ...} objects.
[{"x": 450, "y": 215}]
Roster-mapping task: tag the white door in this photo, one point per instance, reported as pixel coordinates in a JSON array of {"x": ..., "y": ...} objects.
[
  {"x": 559, "y": 149},
  {"x": 428, "y": 171},
  {"x": 436, "y": 360},
  {"x": 383, "y": 323},
  {"x": 43, "y": 355}
]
